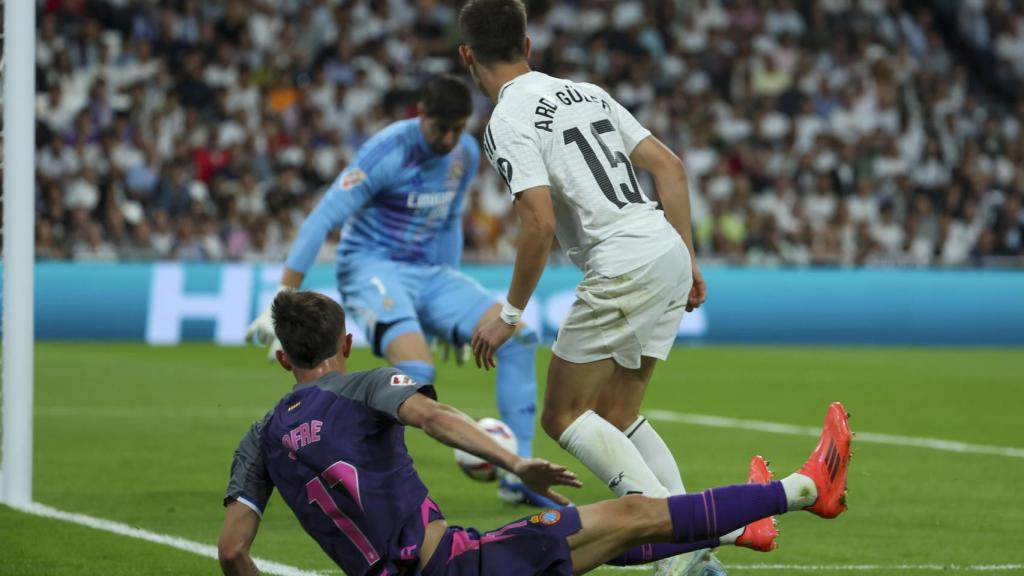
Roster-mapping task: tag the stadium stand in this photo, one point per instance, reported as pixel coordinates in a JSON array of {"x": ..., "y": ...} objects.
[{"x": 832, "y": 132}]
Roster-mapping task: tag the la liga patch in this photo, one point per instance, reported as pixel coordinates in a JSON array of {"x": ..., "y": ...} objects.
[{"x": 401, "y": 380}]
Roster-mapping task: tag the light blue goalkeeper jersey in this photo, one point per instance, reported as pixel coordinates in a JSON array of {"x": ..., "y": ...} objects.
[{"x": 398, "y": 200}]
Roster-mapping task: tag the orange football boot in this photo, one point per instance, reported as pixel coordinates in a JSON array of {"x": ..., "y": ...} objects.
[
  {"x": 828, "y": 463},
  {"x": 760, "y": 534}
]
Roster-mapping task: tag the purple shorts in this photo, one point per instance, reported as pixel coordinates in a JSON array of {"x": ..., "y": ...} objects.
[{"x": 534, "y": 545}]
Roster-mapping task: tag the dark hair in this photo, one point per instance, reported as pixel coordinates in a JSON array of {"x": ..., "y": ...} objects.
[
  {"x": 308, "y": 325},
  {"x": 446, "y": 97},
  {"x": 494, "y": 29}
]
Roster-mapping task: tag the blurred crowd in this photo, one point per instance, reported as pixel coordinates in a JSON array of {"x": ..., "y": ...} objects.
[{"x": 831, "y": 132}]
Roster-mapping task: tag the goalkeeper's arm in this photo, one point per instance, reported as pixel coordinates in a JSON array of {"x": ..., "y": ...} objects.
[{"x": 337, "y": 205}]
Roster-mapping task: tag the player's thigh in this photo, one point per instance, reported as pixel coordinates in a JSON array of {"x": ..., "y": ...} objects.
[
  {"x": 610, "y": 527},
  {"x": 595, "y": 328},
  {"x": 451, "y": 305},
  {"x": 620, "y": 400},
  {"x": 535, "y": 544},
  {"x": 573, "y": 388},
  {"x": 654, "y": 322},
  {"x": 379, "y": 298},
  {"x": 629, "y": 316},
  {"x": 408, "y": 346},
  {"x": 671, "y": 274}
]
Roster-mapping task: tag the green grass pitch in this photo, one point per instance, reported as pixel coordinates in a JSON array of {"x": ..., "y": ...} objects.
[{"x": 144, "y": 436}]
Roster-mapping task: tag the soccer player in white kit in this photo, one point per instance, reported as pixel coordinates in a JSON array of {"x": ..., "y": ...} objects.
[{"x": 569, "y": 154}]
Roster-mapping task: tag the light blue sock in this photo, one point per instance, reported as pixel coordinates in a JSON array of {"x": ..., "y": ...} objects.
[
  {"x": 422, "y": 372},
  {"x": 517, "y": 386}
]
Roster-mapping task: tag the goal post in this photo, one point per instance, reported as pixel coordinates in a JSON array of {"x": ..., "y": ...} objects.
[{"x": 19, "y": 137}]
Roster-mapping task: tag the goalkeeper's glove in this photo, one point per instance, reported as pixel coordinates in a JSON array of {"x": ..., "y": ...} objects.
[{"x": 261, "y": 330}]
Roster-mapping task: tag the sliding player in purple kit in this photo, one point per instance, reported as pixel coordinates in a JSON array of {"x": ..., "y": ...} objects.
[
  {"x": 334, "y": 448},
  {"x": 402, "y": 199}
]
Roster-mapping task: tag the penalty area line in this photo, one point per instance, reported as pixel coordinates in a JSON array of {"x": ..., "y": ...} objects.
[
  {"x": 200, "y": 549},
  {"x": 861, "y": 437}
]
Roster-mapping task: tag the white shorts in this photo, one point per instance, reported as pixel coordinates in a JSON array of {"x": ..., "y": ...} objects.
[{"x": 629, "y": 316}]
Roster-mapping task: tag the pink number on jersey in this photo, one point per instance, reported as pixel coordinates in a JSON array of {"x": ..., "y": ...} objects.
[{"x": 346, "y": 474}]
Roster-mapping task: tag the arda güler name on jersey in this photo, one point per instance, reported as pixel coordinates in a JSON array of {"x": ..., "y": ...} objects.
[{"x": 545, "y": 110}]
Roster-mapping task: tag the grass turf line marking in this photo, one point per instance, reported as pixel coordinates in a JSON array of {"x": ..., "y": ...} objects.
[
  {"x": 269, "y": 567},
  {"x": 135, "y": 413},
  {"x": 265, "y": 566},
  {"x": 869, "y": 437},
  {"x": 856, "y": 567},
  {"x": 665, "y": 415}
]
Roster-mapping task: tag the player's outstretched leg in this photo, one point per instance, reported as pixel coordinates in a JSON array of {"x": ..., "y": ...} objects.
[
  {"x": 620, "y": 403},
  {"x": 758, "y": 535},
  {"x": 612, "y": 529},
  {"x": 569, "y": 418},
  {"x": 827, "y": 465}
]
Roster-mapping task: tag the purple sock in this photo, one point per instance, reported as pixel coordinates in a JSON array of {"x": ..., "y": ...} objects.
[
  {"x": 657, "y": 551},
  {"x": 718, "y": 511}
]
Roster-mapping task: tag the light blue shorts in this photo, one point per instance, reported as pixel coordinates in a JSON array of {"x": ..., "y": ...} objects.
[{"x": 388, "y": 299}]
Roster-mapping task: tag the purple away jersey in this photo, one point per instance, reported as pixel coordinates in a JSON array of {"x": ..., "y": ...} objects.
[{"x": 335, "y": 450}]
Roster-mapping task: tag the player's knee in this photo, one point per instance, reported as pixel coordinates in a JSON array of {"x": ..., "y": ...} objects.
[
  {"x": 555, "y": 421},
  {"x": 620, "y": 417},
  {"x": 551, "y": 426},
  {"x": 641, "y": 515},
  {"x": 422, "y": 372},
  {"x": 231, "y": 553}
]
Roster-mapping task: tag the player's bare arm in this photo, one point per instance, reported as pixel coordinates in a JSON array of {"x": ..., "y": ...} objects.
[
  {"x": 536, "y": 233},
  {"x": 240, "y": 526},
  {"x": 453, "y": 428},
  {"x": 671, "y": 185}
]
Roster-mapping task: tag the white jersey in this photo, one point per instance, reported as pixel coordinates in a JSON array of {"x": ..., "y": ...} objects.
[{"x": 575, "y": 139}]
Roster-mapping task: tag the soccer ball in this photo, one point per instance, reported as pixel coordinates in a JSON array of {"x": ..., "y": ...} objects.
[{"x": 482, "y": 470}]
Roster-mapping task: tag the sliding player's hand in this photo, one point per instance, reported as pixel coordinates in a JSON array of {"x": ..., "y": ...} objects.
[
  {"x": 487, "y": 339},
  {"x": 540, "y": 475},
  {"x": 699, "y": 291}
]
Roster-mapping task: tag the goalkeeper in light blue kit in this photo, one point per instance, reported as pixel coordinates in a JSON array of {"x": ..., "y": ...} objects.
[{"x": 401, "y": 202}]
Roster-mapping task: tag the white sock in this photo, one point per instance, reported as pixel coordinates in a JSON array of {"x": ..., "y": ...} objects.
[
  {"x": 656, "y": 454},
  {"x": 606, "y": 451},
  {"x": 732, "y": 537},
  {"x": 800, "y": 491}
]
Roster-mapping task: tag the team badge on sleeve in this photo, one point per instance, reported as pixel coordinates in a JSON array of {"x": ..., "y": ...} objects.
[
  {"x": 457, "y": 169},
  {"x": 401, "y": 380},
  {"x": 547, "y": 518},
  {"x": 351, "y": 178}
]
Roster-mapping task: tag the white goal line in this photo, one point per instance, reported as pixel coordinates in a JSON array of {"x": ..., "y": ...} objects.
[
  {"x": 198, "y": 548},
  {"x": 277, "y": 568}
]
